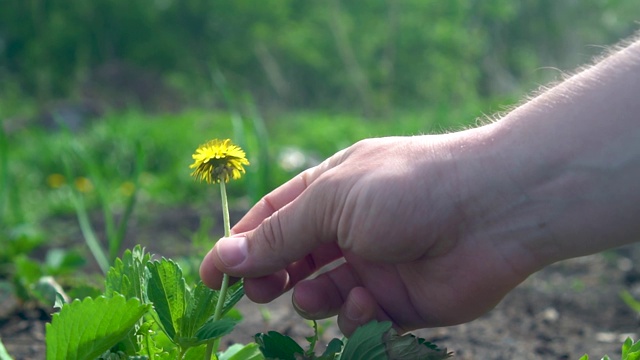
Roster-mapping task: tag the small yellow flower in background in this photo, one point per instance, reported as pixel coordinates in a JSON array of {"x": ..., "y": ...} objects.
[
  {"x": 217, "y": 161},
  {"x": 56, "y": 181},
  {"x": 83, "y": 184},
  {"x": 127, "y": 188}
]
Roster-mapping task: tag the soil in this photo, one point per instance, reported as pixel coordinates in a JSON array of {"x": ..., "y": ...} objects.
[{"x": 562, "y": 312}]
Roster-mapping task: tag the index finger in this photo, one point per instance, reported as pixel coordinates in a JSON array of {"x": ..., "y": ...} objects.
[{"x": 283, "y": 195}]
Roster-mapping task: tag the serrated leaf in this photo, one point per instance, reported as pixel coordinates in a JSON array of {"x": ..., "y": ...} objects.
[
  {"x": 379, "y": 341},
  {"x": 128, "y": 276},
  {"x": 147, "y": 342},
  {"x": 410, "y": 347},
  {"x": 214, "y": 329},
  {"x": 242, "y": 352},
  {"x": 235, "y": 292},
  {"x": 274, "y": 345},
  {"x": 166, "y": 289},
  {"x": 85, "y": 329},
  {"x": 366, "y": 342},
  {"x": 201, "y": 305}
]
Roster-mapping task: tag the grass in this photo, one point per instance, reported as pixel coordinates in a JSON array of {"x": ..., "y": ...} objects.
[
  {"x": 36, "y": 155},
  {"x": 63, "y": 185}
]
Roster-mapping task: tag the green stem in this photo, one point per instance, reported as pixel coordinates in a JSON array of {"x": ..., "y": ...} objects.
[
  {"x": 209, "y": 350},
  {"x": 225, "y": 278},
  {"x": 88, "y": 234}
]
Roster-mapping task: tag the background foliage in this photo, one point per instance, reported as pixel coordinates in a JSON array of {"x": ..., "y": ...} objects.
[
  {"x": 102, "y": 103},
  {"x": 105, "y": 97},
  {"x": 370, "y": 56}
]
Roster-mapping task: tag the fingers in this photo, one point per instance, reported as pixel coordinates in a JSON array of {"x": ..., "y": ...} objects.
[
  {"x": 323, "y": 296},
  {"x": 274, "y": 201},
  {"x": 292, "y": 231},
  {"x": 359, "y": 308},
  {"x": 337, "y": 292},
  {"x": 269, "y": 287},
  {"x": 283, "y": 195}
]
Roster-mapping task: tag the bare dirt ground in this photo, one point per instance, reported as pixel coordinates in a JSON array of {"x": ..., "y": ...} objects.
[{"x": 561, "y": 312}]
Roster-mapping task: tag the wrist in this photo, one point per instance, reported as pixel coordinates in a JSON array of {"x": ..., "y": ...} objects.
[{"x": 573, "y": 154}]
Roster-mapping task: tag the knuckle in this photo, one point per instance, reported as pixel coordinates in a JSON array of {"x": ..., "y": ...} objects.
[{"x": 271, "y": 232}]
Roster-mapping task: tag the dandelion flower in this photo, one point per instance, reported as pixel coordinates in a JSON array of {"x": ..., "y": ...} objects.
[
  {"x": 55, "y": 181},
  {"x": 83, "y": 184},
  {"x": 217, "y": 161}
]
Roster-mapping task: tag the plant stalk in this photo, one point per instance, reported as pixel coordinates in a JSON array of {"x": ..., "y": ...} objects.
[
  {"x": 225, "y": 278},
  {"x": 88, "y": 234}
]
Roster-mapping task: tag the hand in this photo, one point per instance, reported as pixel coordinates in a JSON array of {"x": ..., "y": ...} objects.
[
  {"x": 435, "y": 230},
  {"x": 390, "y": 208}
]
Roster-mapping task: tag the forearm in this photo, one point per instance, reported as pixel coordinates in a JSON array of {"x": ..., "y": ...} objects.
[{"x": 573, "y": 153}]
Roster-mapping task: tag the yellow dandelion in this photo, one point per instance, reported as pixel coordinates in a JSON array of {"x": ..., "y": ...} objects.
[
  {"x": 127, "y": 188},
  {"x": 217, "y": 161},
  {"x": 56, "y": 181},
  {"x": 83, "y": 184}
]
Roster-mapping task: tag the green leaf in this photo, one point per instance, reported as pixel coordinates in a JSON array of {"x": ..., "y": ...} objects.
[
  {"x": 631, "y": 302},
  {"x": 215, "y": 329},
  {"x": 47, "y": 290},
  {"x": 85, "y": 329},
  {"x": 410, "y": 347},
  {"x": 166, "y": 289},
  {"x": 195, "y": 353},
  {"x": 128, "y": 276},
  {"x": 584, "y": 357},
  {"x": 242, "y": 352},
  {"x": 333, "y": 349},
  {"x": 114, "y": 356},
  {"x": 630, "y": 350},
  {"x": 201, "y": 304},
  {"x": 234, "y": 294},
  {"x": 277, "y": 346},
  {"x": 367, "y": 342},
  {"x": 379, "y": 341},
  {"x": 147, "y": 344},
  {"x": 4, "y": 355}
]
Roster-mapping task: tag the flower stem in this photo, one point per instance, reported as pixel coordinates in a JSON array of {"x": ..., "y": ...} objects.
[
  {"x": 227, "y": 232},
  {"x": 225, "y": 278}
]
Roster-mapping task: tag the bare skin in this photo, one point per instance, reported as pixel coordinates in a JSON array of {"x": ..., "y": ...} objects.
[{"x": 436, "y": 230}]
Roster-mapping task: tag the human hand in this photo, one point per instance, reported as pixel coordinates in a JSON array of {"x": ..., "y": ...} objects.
[
  {"x": 396, "y": 210},
  {"x": 435, "y": 230}
]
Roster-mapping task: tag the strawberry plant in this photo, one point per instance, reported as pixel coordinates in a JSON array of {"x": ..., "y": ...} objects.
[
  {"x": 147, "y": 311},
  {"x": 630, "y": 351}
]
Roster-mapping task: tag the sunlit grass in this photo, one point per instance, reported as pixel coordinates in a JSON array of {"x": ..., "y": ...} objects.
[{"x": 296, "y": 141}]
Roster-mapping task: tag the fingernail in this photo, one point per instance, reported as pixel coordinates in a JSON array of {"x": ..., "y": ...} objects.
[
  {"x": 301, "y": 312},
  {"x": 232, "y": 251}
]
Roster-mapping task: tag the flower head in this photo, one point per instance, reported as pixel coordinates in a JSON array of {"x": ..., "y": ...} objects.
[{"x": 218, "y": 160}]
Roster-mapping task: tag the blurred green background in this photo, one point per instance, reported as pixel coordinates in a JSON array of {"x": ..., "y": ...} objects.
[{"x": 107, "y": 99}]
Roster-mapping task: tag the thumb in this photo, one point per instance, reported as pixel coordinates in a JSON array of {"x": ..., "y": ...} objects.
[{"x": 287, "y": 235}]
